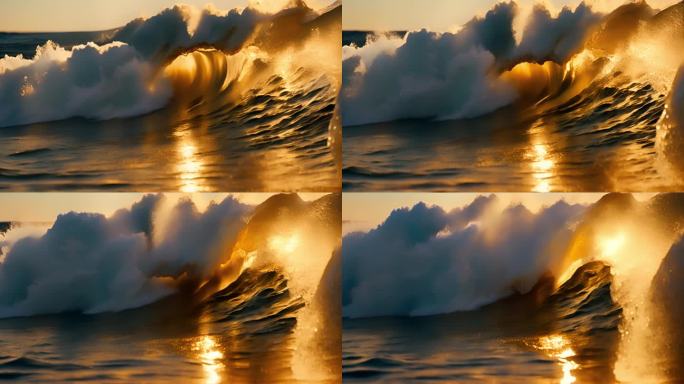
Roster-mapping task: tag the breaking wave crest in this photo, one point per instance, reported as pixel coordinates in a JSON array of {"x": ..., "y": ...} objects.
[
  {"x": 554, "y": 63},
  {"x": 245, "y": 257},
  {"x": 178, "y": 59}
]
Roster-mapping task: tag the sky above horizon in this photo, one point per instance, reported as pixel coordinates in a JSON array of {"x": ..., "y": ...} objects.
[
  {"x": 445, "y": 15},
  {"x": 86, "y": 15},
  {"x": 365, "y": 211}
]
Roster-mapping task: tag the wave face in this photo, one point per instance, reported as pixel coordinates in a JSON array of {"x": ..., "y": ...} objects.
[
  {"x": 585, "y": 303},
  {"x": 564, "y": 97},
  {"x": 226, "y": 94},
  {"x": 258, "y": 299},
  {"x": 236, "y": 291}
]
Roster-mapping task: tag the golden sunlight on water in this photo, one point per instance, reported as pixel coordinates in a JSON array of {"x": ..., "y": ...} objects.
[
  {"x": 542, "y": 167},
  {"x": 559, "y": 347},
  {"x": 284, "y": 67},
  {"x": 210, "y": 357},
  {"x": 532, "y": 80},
  {"x": 189, "y": 165}
]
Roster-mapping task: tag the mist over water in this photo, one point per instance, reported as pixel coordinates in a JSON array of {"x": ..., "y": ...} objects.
[{"x": 574, "y": 101}]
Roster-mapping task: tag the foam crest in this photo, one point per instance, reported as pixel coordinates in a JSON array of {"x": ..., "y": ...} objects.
[
  {"x": 452, "y": 261},
  {"x": 499, "y": 60},
  {"x": 124, "y": 75},
  {"x": 91, "y": 81},
  {"x": 91, "y": 263},
  {"x": 455, "y": 75}
]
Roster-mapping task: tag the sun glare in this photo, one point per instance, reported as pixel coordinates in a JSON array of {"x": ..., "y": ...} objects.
[
  {"x": 542, "y": 166},
  {"x": 189, "y": 165},
  {"x": 559, "y": 347},
  {"x": 210, "y": 357},
  {"x": 609, "y": 246},
  {"x": 284, "y": 243}
]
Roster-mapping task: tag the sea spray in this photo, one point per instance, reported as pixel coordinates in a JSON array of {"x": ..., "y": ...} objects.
[
  {"x": 91, "y": 263},
  {"x": 300, "y": 238},
  {"x": 454, "y": 261},
  {"x": 633, "y": 243}
]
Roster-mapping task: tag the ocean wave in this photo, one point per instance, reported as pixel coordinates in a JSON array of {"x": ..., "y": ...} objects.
[
  {"x": 455, "y": 261},
  {"x": 257, "y": 302},
  {"x": 246, "y": 293},
  {"x": 239, "y": 257},
  {"x": 481, "y": 253},
  {"x": 97, "y": 264},
  {"x": 144, "y": 65},
  {"x": 578, "y": 321},
  {"x": 584, "y": 304},
  {"x": 92, "y": 81},
  {"x": 487, "y": 65},
  {"x": 599, "y": 275}
]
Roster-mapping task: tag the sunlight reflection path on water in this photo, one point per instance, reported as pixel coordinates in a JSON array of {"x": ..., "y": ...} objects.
[
  {"x": 559, "y": 347},
  {"x": 210, "y": 357}
]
